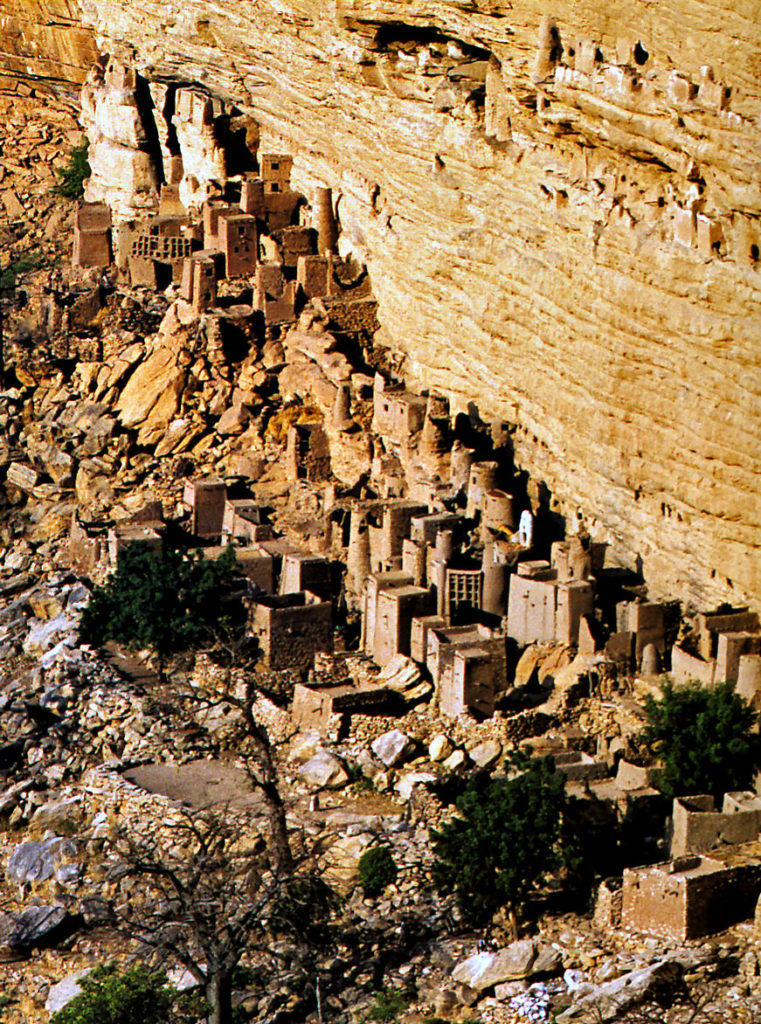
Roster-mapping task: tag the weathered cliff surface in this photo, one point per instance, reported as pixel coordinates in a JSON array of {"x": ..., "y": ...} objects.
[
  {"x": 561, "y": 221},
  {"x": 43, "y": 40}
]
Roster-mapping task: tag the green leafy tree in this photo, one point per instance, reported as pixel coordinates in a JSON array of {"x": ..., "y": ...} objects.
[
  {"x": 507, "y": 838},
  {"x": 110, "y": 996},
  {"x": 168, "y": 600},
  {"x": 703, "y": 739},
  {"x": 377, "y": 869},
  {"x": 72, "y": 177}
]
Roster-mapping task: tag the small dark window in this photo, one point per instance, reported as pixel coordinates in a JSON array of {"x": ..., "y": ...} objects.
[
  {"x": 275, "y": 165},
  {"x": 754, "y": 253},
  {"x": 640, "y": 54}
]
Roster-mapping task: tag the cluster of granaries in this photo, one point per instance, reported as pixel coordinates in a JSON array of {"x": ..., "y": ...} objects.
[
  {"x": 459, "y": 592},
  {"x": 714, "y": 875},
  {"x": 251, "y": 237},
  {"x": 457, "y": 589}
]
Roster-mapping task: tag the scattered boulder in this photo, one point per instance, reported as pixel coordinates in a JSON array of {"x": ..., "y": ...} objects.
[
  {"x": 549, "y": 960},
  {"x": 38, "y": 861},
  {"x": 64, "y": 991},
  {"x": 440, "y": 748},
  {"x": 233, "y": 420},
  {"x": 32, "y": 927},
  {"x": 342, "y": 859},
  {"x": 392, "y": 748},
  {"x": 455, "y": 761},
  {"x": 529, "y": 662},
  {"x": 523, "y": 959},
  {"x": 46, "y": 634},
  {"x": 609, "y": 1000},
  {"x": 403, "y": 676},
  {"x": 10, "y": 797},
  {"x": 486, "y": 754},
  {"x": 410, "y": 780},
  {"x": 57, "y": 812},
  {"x": 369, "y": 766},
  {"x": 323, "y": 771},
  {"x": 305, "y": 746}
]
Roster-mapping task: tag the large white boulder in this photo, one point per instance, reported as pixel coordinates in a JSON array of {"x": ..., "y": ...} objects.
[
  {"x": 392, "y": 747},
  {"x": 323, "y": 771}
]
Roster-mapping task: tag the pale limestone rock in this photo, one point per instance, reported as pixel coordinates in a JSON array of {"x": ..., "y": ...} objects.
[
  {"x": 342, "y": 860},
  {"x": 512, "y": 224},
  {"x": 486, "y": 754},
  {"x": 607, "y": 1001},
  {"x": 522, "y": 959},
  {"x": 323, "y": 771},
  {"x": 402, "y": 675},
  {"x": 64, "y": 991},
  {"x": 440, "y": 747},
  {"x": 455, "y": 761},
  {"x": 410, "y": 780},
  {"x": 392, "y": 747},
  {"x": 305, "y": 746},
  {"x": 152, "y": 391},
  {"x": 124, "y": 173}
]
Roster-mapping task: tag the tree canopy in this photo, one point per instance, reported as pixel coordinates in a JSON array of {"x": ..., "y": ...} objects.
[
  {"x": 507, "y": 839},
  {"x": 167, "y": 600},
  {"x": 703, "y": 739}
]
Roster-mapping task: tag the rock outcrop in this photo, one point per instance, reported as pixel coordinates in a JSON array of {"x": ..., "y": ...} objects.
[
  {"x": 560, "y": 220},
  {"x": 44, "y": 40}
]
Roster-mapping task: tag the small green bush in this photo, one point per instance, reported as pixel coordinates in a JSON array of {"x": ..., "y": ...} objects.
[
  {"x": 360, "y": 783},
  {"x": 33, "y": 261},
  {"x": 72, "y": 177},
  {"x": 389, "y": 1004},
  {"x": 377, "y": 869},
  {"x": 109, "y": 996}
]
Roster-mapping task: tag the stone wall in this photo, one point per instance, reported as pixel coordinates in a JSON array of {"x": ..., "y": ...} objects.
[{"x": 567, "y": 236}]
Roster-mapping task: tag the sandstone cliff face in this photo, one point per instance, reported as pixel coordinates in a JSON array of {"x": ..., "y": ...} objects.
[
  {"x": 44, "y": 40},
  {"x": 561, "y": 221}
]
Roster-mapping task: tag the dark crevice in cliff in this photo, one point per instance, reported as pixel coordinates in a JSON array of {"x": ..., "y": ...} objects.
[
  {"x": 146, "y": 108},
  {"x": 398, "y": 36}
]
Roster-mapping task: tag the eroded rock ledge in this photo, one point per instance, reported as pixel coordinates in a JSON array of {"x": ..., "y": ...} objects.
[{"x": 561, "y": 220}]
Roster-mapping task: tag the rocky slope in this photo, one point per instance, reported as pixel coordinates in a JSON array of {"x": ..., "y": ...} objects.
[{"x": 560, "y": 218}]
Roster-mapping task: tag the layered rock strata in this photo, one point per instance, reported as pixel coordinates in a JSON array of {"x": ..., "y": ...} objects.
[
  {"x": 561, "y": 220},
  {"x": 43, "y": 41}
]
